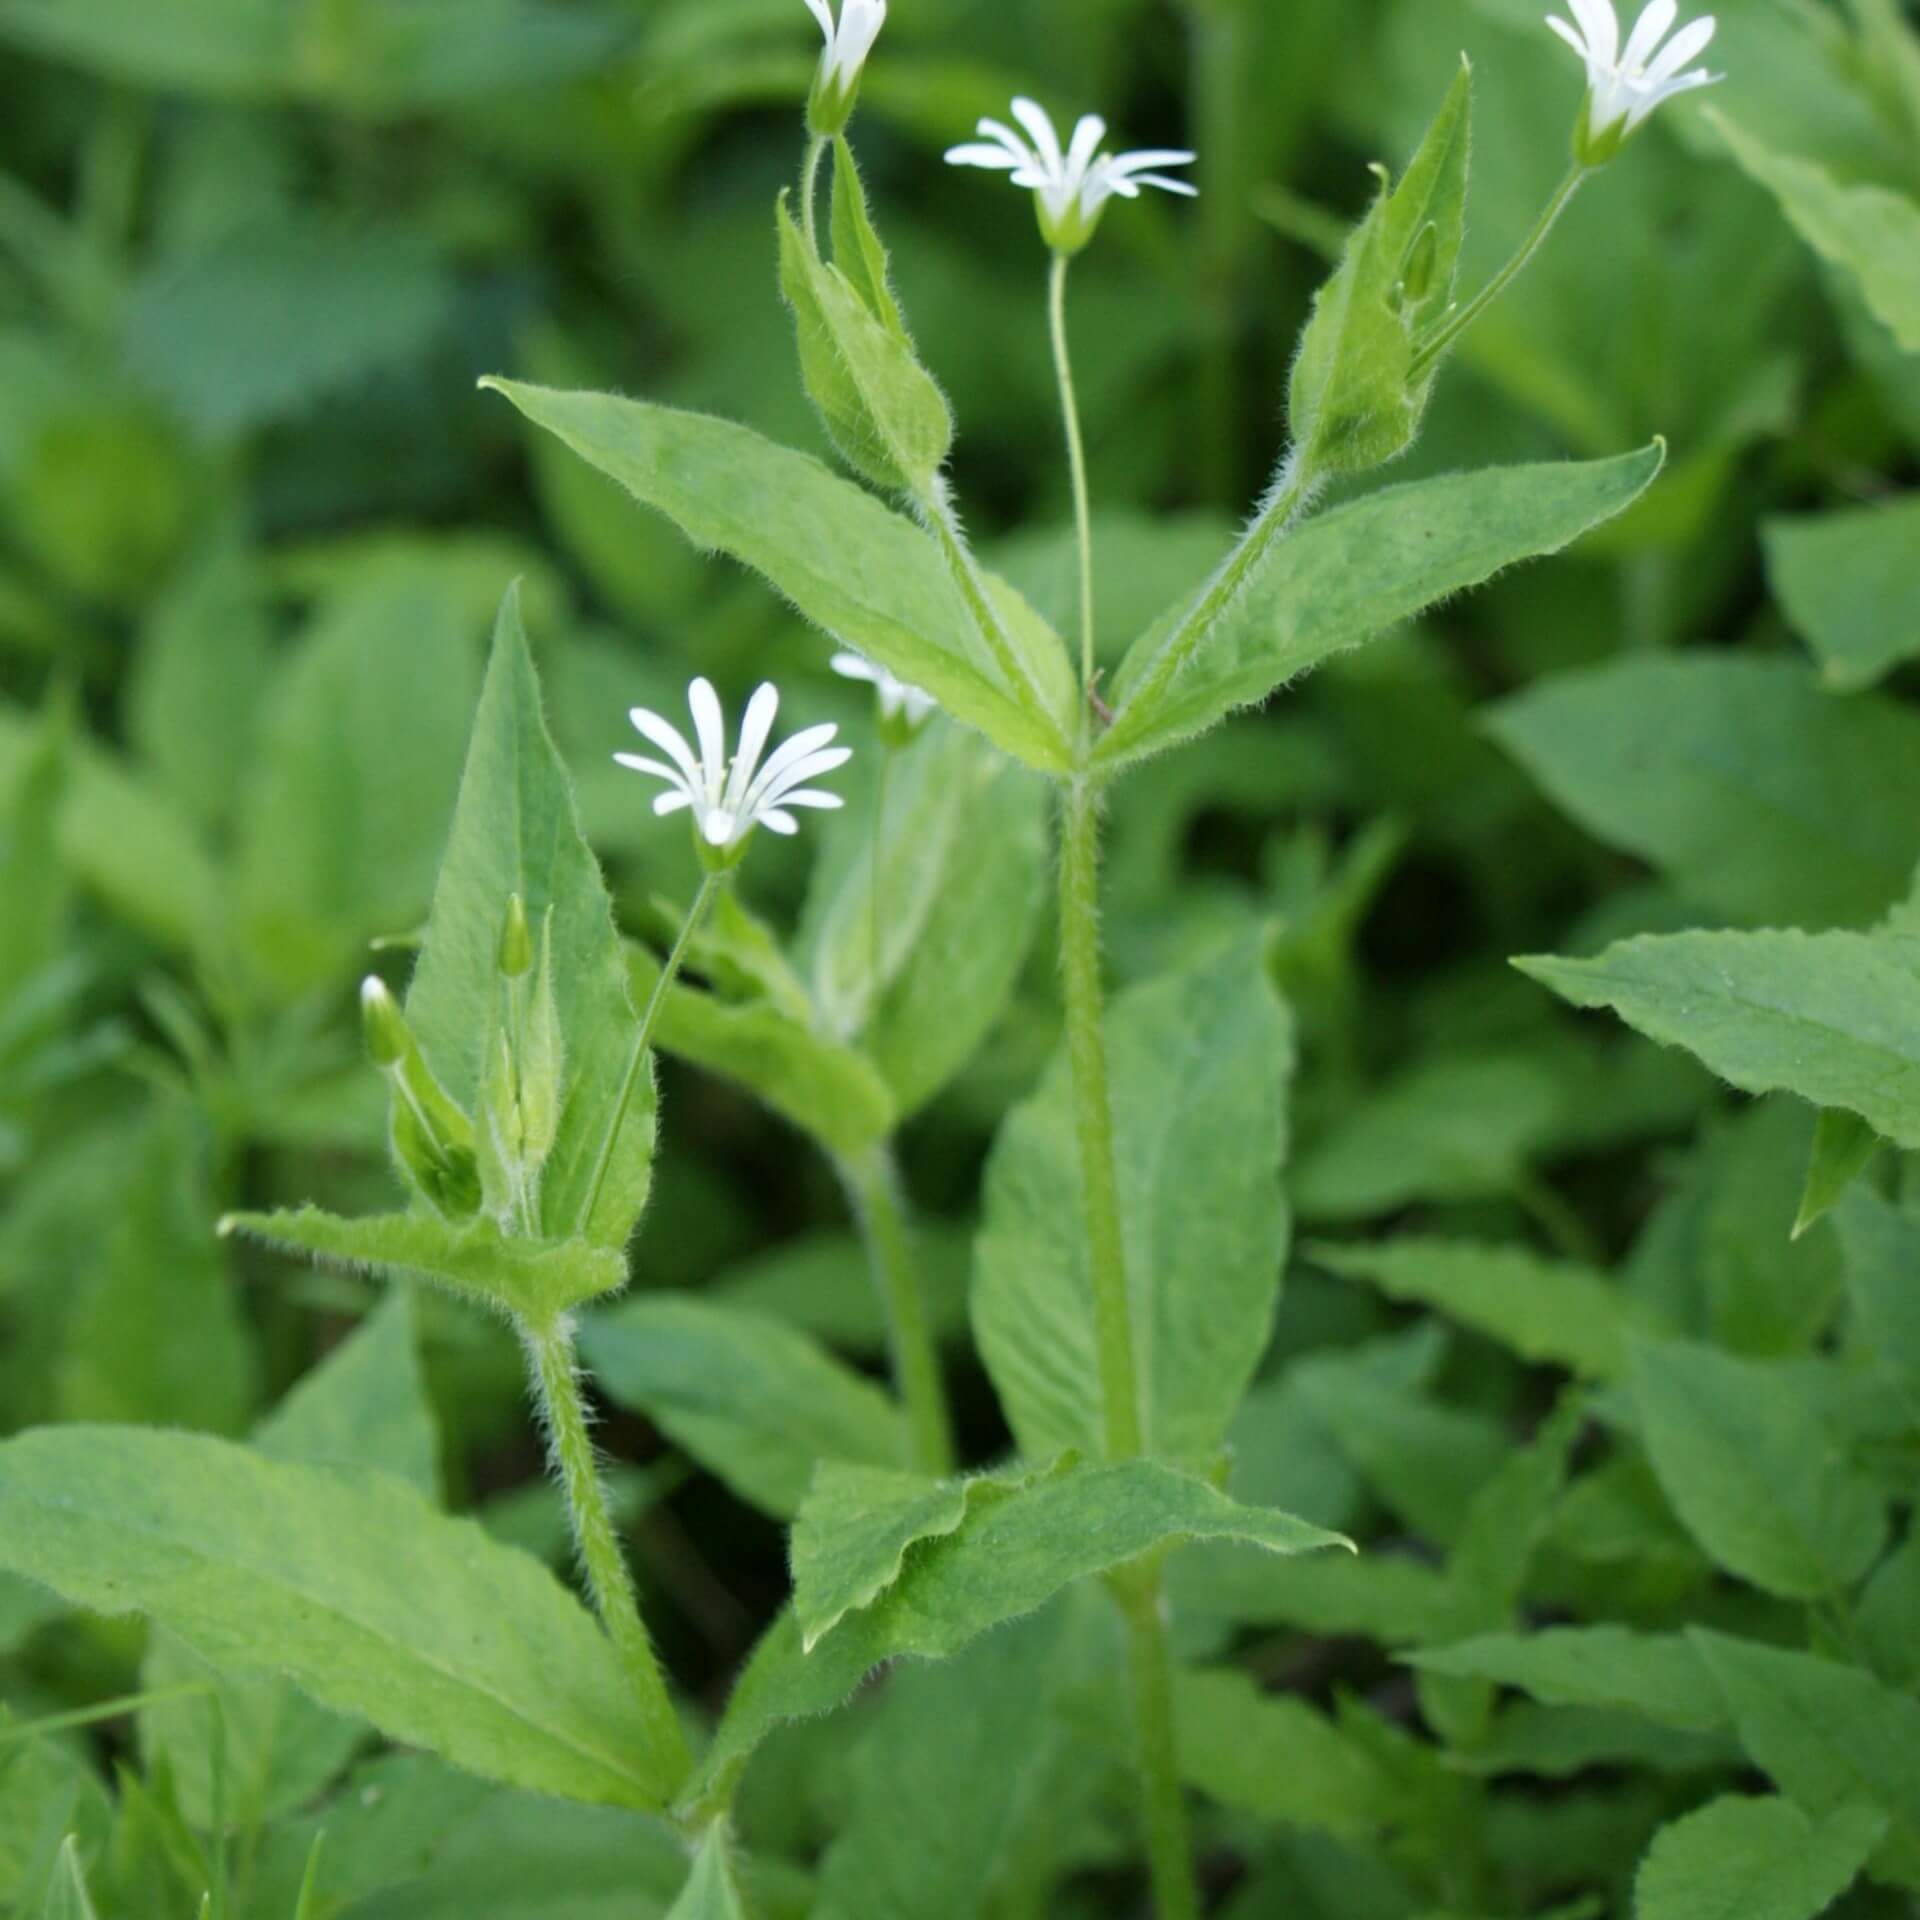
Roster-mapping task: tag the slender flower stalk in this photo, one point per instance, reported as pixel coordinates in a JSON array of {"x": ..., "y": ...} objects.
[{"x": 1076, "y": 458}]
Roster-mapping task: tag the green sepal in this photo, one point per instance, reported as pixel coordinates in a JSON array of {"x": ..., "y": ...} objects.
[
  {"x": 881, "y": 408},
  {"x": 533, "y": 1281},
  {"x": 858, "y": 251}
]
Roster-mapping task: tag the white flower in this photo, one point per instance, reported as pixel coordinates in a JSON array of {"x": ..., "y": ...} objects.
[
  {"x": 848, "y": 45},
  {"x": 1072, "y": 185},
  {"x": 900, "y": 704},
  {"x": 730, "y": 799},
  {"x": 1623, "y": 87}
]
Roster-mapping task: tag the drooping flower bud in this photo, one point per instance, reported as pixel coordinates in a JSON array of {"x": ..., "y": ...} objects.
[{"x": 432, "y": 1139}]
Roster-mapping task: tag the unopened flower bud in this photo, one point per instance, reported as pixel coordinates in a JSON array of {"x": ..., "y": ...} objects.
[
  {"x": 516, "y": 942},
  {"x": 388, "y": 1040}
]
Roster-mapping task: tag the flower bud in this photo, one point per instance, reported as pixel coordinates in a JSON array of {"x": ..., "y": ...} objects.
[
  {"x": 516, "y": 942},
  {"x": 385, "y": 1026}
]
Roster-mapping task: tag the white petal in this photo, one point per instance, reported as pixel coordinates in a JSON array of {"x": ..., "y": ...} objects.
[
  {"x": 810, "y": 797},
  {"x": 809, "y": 767},
  {"x": 1004, "y": 135},
  {"x": 675, "y": 802},
  {"x": 710, "y": 724},
  {"x": 979, "y": 154},
  {"x": 1602, "y": 28},
  {"x": 778, "y": 822},
  {"x": 860, "y": 24},
  {"x": 1655, "y": 23},
  {"x": 853, "y": 666},
  {"x": 1086, "y": 144},
  {"x": 1166, "y": 185},
  {"x": 755, "y": 726},
  {"x": 639, "y": 763},
  {"x": 789, "y": 753},
  {"x": 820, "y": 11},
  {"x": 1692, "y": 39},
  {"x": 1046, "y": 142},
  {"x": 1155, "y": 157},
  {"x": 669, "y": 739},
  {"x": 718, "y": 827}
]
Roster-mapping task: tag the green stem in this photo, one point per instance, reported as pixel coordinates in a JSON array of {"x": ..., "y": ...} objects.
[
  {"x": 702, "y": 900},
  {"x": 1093, "y": 1117},
  {"x": 1505, "y": 278},
  {"x": 1290, "y": 492},
  {"x": 810, "y": 189},
  {"x": 1150, "y": 1669},
  {"x": 873, "y": 1185},
  {"x": 1076, "y": 457},
  {"x": 557, "y": 1382}
]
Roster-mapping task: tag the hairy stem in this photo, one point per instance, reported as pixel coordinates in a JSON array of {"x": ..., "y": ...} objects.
[
  {"x": 1093, "y": 1118},
  {"x": 1507, "y": 275},
  {"x": 810, "y": 189},
  {"x": 1290, "y": 492},
  {"x": 556, "y": 1380},
  {"x": 873, "y": 1185},
  {"x": 1076, "y": 457},
  {"x": 1150, "y": 1670},
  {"x": 702, "y": 900}
]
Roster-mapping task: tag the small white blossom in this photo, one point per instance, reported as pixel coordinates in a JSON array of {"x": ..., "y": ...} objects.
[
  {"x": 730, "y": 799},
  {"x": 1625, "y": 85},
  {"x": 848, "y": 45},
  {"x": 902, "y": 707},
  {"x": 1073, "y": 184}
]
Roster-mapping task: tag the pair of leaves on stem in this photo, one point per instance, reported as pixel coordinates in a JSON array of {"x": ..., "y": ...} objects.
[{"x": 516, "y": 832}]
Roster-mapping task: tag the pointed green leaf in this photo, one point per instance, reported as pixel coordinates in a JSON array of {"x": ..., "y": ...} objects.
[
  {"x": 67, "y": 1895},
  {"x": 851, "y": 1535},
  {"x": 1844, "y": 1146},
  {"x": 710, "y": 1893},
  {"x": 857, "y": 249},
  {"x": 1346, "y": 575},
  {"x": 755, "y": 1402},
  {"x": 516, "y": 830},
  {"x": 1832, "y": 1017},
  {"x": 356, "y": 1590},
  {"x": 1742, "y": 1450},
  {"x": 1754, "y": 1860},
  {"x": 1850, "y": 584},
  {"x": 534, "y": 1279},
  {"x": 1661, "y": 1677},
  {"x": 1200, "y": 1063},
  {"x": 1832, "y": 1737},
  {"x": 864, "y": 573}
]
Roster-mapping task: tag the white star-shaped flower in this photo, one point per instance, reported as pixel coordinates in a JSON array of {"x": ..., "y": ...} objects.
[
  {"x": 1072, "y": 185},
  {"x": 730, "y": 798},
  {"x": 848, "y": 44},
  {"x": 1625, "y": 85},
  {"x": 902, "y": 707}
]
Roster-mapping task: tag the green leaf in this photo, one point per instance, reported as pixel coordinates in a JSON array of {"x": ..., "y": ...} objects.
[
  {"x": 157, "y": 1334},
  {"x": 356, "y": 1590},
  {"x": 1390, "y": 1598},
  {"x": 755, "y": 1402},
  {"x": 67, "y": 1896},
  {"x": 1882, "y": 1247},
  {"x": 1743, "y": 1452},
  {"x": 1355, "y": 398},
  {"x": 535, "y": 1280},
  {"x": 1869, "y": 232},
  {"x": 365, "y": 1405},
  {"x": 1832, "y": 1737},
  {"x": 516, "y": 830},
  {"x": 1850, "y": 584},
  {"x": 827, "y": 1089},
  {"x": 357, "y": 762},
  {"x": 1843, "y": 1148},
  {"x": 1199, "y": 1065},
  {"x": 857, "y": 249},
  {"x": 1549, "y": 1312},
  {"x": 851, "y": 1535},
  {"x": 710, "y": 1893},
  {"x": 959, "y": 880},
  {"x": 964, "y": 1761},
  {"x": 869, "y": 577},
  {"x": 1660, "y": 1676},
  {"x": 1353, "y": 572},
  {"x": 1754, "y": 1860},
  {"x": 1275, "y": 1757},
  {"x": 1758, "y": 795},
  {"x": 1008, "y": 1557},
  {"x": 1832, "y": 1017},
  {"x": 881, "y": 408}
]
